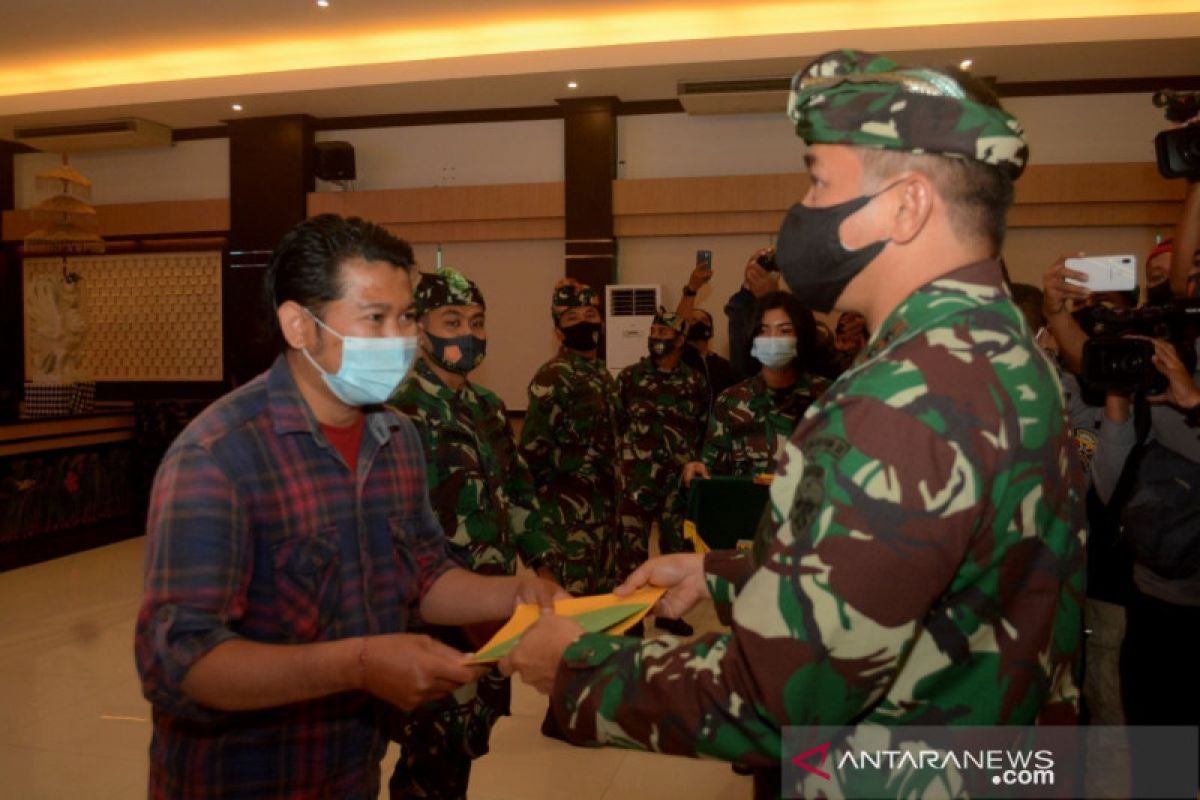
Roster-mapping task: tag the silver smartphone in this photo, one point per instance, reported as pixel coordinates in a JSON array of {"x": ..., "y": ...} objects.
[{"x": 1105, "y": 273}]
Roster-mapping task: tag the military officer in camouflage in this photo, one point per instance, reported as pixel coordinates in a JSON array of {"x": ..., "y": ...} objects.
[
  {"x": 925, "y": 565},
  {"x": 666, "y": 411},
  {"x": 570, "y": 442},
  {"x": 483, "y": 494}
]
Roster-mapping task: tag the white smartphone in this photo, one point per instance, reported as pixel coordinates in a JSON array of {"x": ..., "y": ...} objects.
[{"x": 1105, "y": 273}]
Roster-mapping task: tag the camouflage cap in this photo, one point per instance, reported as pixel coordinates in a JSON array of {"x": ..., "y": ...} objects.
[
  {"x": 862, "y": 99},
  {"x": 670, "y": 320},
  {"x": 446, "y": 287},
  {"x": 570, "y": 293}
]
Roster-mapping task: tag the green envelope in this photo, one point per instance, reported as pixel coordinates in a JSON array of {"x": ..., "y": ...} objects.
[{"x": 592, "y": 622}]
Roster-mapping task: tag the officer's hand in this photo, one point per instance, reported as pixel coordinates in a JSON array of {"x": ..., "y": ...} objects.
[
  {"x": 408, "y": 670},
  {"x": 681, "y": 573},
  {"x": 540, "y": 650},
  {"x": 694, "y": 469},
  {"x": 1182, "y": 392},
  {"x": 539, "y": 591},
  {"x": 1055, "y": 289}
]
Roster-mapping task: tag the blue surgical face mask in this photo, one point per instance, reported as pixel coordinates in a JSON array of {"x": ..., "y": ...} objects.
[
  {"x": 774, "y": 352},
  {"x": 372, "y": 367}
]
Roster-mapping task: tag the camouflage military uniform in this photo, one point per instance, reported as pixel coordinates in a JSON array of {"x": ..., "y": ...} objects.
[
  {"x": 926, "y": 568},
  {"x": 665, "y": 413},
  {"x": 751, "y": 420},
  {"x": 482, "y": 492},
  {"x": 479, "y": 485},
  {"x": 570, "y": 442}
]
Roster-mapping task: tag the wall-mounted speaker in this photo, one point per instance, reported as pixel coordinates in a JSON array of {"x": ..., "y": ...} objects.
[{"x": 333, "y": 161}]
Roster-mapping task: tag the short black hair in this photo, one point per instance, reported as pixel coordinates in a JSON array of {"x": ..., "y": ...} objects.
[
  {"x": 305, "y": 266},
  {"x": 803, "y": 321}
]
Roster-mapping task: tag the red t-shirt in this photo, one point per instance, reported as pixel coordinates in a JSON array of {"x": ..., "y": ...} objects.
[{"x": 346, "y": 440}]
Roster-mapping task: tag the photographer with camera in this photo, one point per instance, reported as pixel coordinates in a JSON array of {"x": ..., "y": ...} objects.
[
  {"x": 1160, "y": 490},
  {"x": 1122, "y": 354}
]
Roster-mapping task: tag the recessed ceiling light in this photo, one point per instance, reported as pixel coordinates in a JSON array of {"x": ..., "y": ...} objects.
[
  {"x": 572, "y": 85},
  {"x": 965, "y": 64},
  {"x": 323, "y": 3},
  {"x": 236, "y": 106}
]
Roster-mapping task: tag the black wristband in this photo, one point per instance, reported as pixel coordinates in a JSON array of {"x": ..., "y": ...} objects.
[{"x": 689, "y": 291}]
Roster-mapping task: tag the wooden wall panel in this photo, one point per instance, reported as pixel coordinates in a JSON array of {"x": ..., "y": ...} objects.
[
  {"x": 445, "y": 204},
  {"x": 1056, "y": 195},
  {"x": 140, "y": 219}
]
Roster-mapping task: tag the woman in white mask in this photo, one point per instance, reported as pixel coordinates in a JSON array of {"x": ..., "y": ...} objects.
[{"x": 750, "y": 419}]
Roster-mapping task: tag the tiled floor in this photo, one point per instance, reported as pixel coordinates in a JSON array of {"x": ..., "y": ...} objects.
[{"x": 74, "y": 723}]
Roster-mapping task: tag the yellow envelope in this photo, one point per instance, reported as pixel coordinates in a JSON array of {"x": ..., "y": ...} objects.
[{"x": 601, "y": 613}]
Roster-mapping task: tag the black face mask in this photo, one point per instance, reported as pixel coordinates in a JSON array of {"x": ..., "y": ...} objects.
[
  {"x": 471, "y": 349},
  {"x": 1159, "y": 294},
  {"x": 699, "y": 332},
  {"x": 661, "y": 348},
  {"x": 811, "y": 256},
  {"x": 582, "y": 336}
]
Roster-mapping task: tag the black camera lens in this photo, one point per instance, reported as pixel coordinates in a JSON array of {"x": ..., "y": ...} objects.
[{"x": 767, "y": 262}]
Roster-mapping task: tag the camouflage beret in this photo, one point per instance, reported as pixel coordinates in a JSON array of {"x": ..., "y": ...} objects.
[
  {"x": 862, "y": 99},
  {"x": 446, "y": 287},
  {"x": 570, "y": 293},
  {"x": 670, "y": 320}
]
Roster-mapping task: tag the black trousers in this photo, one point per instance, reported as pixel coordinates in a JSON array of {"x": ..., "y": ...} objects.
[{"x": 1158, "y": 671}]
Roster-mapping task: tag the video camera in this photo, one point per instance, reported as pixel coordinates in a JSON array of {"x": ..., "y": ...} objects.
[
  {"x": 1178, "y": 149},
  {"x": 1111, "y": 360}
]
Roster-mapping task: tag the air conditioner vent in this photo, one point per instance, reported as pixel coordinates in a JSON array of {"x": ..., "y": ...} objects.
[
  {"x": 115, "y": 134},
  {"x": 740, "y": 96},
  {"x": 744, "y": 85},
  {"x": 630, "y": 302}
]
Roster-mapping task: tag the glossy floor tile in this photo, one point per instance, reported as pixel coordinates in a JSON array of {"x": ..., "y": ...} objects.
[{"x": 74, "y": 723}]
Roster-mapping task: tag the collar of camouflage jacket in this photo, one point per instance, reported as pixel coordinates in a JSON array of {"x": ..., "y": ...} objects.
[
  {"x": 972, "y": 286},
  {"x": 429, "y": 381}
]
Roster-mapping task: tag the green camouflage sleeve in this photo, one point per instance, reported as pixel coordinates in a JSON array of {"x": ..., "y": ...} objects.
[
  {"x": 531, "y": 523},
  {"x": 817, "y": 631},
  {"x": 539, "y": 445},
  {"x": 443, "y": 495},
  {"x": 725, "y": 573},
  {"x": 718, "y": 444}
]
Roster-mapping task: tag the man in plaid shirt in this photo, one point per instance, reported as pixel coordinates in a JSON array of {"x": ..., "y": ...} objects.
[{"x": 290, "y": 540}]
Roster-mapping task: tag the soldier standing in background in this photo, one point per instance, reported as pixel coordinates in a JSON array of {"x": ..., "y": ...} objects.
[
  {"x": 925, "y": 562},
  {"x": 666, "y": 408},
  {"x": 570, "y": 441},
  {"x": 482, "y": 493}
]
